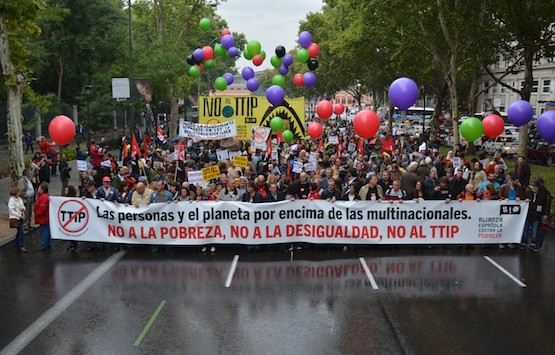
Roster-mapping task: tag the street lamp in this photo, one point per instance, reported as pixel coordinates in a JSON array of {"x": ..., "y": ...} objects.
[{"x": 87, "y": 96}]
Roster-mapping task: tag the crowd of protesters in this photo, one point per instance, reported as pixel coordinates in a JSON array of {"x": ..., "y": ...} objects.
[{"x": 393, "y": 170}]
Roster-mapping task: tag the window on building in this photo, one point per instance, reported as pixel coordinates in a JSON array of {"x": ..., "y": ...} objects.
[
  {"x": 522, "y": 85},
  {"x": 537, "y": 59},
  {"x": 546, "y": 86},
  {"x": 503, "y": 89},
  {"x": 535, "y": 86},
  {"x": 495, "y": 88},
  {"x": 506, "y": 64},
  {"x": 486, "y": 89}
]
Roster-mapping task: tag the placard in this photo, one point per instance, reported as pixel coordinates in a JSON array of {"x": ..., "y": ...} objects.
[
  {"x": 195, "y": 177},
  {"x": 210, "y": 173},
  {"x": 82, "y": 165},
  {"x": 240, "y": 161}
]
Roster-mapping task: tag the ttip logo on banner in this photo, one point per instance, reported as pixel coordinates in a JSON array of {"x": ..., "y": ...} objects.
[
  {"x": 73, "y": 217},
  {"x": 509, "y": 209}
]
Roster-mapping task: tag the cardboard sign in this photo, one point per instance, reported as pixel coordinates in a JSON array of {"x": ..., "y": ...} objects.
[
  {"x": 82, "y": 165},
  {"x": 210, "y": 173},
  {"x": 240, "y": 161},
  {"x": 195, "y": 177}
]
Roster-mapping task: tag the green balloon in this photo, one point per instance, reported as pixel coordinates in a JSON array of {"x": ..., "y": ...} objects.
[
  {"x": 254, "y": 47},
  {"x": 194, "y": 71},
  {"x": 208, "y": 64},
  {"x": 247, "y": 55},
  {"x": 302, "y": 55},
  {"x": 276, "y": 61},
  {"x": 288, "y": 135},
  {"x": 221, "y": 83},
  {"x": 472, "y": 128},
  {"x": 276, "y": 123},
  {"x": 219, "y": 50},
  {"x": 278, "y": 80},
  {"x": 263, "y": 54},
  {"x": 204, "y": 24}
]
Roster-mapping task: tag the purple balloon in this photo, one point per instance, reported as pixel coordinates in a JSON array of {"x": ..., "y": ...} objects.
[
  {"x": 198, "y": 54},
  {"x": 309, "y": 79},
  {"x": 287, "y": 60},
  {"x": 233, "y": 52},
  {"x": 228, "y": 41},
  {"x": 520, "y": 112},
  {"x": 403, "y": 93},
  {"x": 546, "y": 126},
  {"x": 247, "y": 73},
  {"x": 283, "y": 70},
  {"x": 275, "y": 95},
  {"x": 305, "y": 39},
  {"x": 228, "y": 78},
  {"x": 253, "y": 84}
]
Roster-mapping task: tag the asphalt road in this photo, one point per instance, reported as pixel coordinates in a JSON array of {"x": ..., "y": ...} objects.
[{"x": 310, "y": 301}]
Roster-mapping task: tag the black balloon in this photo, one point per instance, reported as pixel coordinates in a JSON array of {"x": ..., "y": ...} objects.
[
  {"x": 313, "y": 64},
  {"x": 191, "y": 60},
  {"x": 280, "y": 51}
]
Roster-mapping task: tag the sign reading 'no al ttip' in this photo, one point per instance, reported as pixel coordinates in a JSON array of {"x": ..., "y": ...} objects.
[{"x": 73, "y": 216}]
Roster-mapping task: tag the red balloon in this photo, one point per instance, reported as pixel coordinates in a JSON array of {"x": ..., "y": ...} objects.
[
  {"x": 493, "y": 125},
  {"x": 339, "y": 108},
  {"x": 208, "y": 52},
  {"x": 324, "y": 109},
  {"x": 61, "y": 129},
  {"x": 366, "y": 123},
  {"x": 315, "y": 130},
  {"x": 225, "y": 31},
  {"x": 200, "y": 66},
  {"x": 257, "y": 60},
  {"x": 298, "y": 80},
  {"x": 313, "y": 50}
]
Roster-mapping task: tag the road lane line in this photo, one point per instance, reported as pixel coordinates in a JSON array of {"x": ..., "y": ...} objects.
[
  {"x": 368, "y": 273},
  {"x": 149, "y": 324},
  {"x": 511, "y": 276},
  {"x": 231, "y": 271},
  {"x": 22, "y": 340}
]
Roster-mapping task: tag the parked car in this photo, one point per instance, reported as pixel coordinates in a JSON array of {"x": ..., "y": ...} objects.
[
  {"x": 541, "y": 152},
  {"x": 506, "y": 144}
]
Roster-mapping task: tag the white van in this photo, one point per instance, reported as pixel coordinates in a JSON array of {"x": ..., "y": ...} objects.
[{"x": 506, "y": 144}]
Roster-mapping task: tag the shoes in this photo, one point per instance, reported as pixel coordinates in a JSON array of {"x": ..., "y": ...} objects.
[
  {"x": 203, "y": 250},
  {"x": 501, "y": 246},
  {"x": 535, "y": 249},
  {"x": 22, "y": 250},
  {"x": 44, "y": 248},
  {"x": 212, "y": 249},
  {"x": 511, "y": 245},
  {"x": 345, "y": 249},
  {"x": 522, "y": 247}
]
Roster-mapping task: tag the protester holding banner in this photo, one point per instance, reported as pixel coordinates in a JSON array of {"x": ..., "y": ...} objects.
[
  {"x": 16, "y": 211},
  {"x": 42, "y": 215},
  {"x": 539, "y": 203}
]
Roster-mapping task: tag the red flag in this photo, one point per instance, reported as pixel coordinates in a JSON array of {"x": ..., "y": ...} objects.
[
  {"x": 135, "y": 147},
  {"x": 279, "y": 138},
  {"x": 269, "y": 147},
  {"x": 125, "y": 150},
  {"x": 160, "y": 135},
  {"x": 360, "y": 146},
  {"x": 321, "y": 146},
  {"x": 387, "y": 144},
  {"x": 289, "y": 171}
]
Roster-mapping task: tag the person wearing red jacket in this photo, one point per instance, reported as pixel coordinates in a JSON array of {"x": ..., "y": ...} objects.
[{"x": 41, "y": 215}]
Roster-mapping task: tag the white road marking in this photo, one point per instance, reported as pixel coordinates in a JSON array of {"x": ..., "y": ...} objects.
[
  {"x": 511, "y": 276},
  {"x": 368, "y": 273},
  {"x": 26, "y": 337},
  {"x": 231, "y": 271}
]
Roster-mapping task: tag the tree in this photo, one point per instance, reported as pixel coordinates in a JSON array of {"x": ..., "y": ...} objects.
[{"x": 16, "y": 25}]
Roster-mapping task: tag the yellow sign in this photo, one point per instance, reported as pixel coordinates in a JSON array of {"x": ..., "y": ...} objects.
[
  {"x": 210, "y": 173},
  {"x": 240, "y": 161},
  {"x": 252, "y": 111}
]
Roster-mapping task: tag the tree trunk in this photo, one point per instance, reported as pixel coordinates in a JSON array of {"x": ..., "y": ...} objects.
[
  {"x": 174, "y": 112},
  {"x": 454, "y": 99},
  {"x": 434, "y": 124},
  {"x": 60, "y": 77},
  {"x": 14, "y": 83},
  {"x": 472, "y": 105}
]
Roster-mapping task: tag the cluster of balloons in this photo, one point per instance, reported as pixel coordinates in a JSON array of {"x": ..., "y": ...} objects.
[
  {"x": 203, "y": 58},
  {"x": 62, "y": 130},
  {"x": 307, "y": 54},
  {"x": 324, "y": 109}
]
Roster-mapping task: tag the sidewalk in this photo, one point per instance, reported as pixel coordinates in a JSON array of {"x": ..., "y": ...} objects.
[{"x": 7, "y": 234}]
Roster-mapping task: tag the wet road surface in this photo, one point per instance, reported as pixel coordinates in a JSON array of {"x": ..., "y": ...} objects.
[{"x": 378, "y": 300}]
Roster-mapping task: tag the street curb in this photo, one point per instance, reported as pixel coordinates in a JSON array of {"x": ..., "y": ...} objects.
[{"x": 6, "y": 241}]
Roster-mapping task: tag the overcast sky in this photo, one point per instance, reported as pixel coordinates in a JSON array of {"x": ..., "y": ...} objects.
[{"x": 271, "y": 22}]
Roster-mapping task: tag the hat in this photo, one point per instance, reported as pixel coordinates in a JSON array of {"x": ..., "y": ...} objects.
[
  {"x": 142, "y": 179},
  {"x": 106, "y": 179}
]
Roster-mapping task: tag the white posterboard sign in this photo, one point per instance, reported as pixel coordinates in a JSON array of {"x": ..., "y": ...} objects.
[
  {"x": 333, "y": 140},
  {"x": 195, "y": 177},
  {"x": 298, "y": 167},
  {"x": 82, "y": 165},
  {"x": 120, "y": 88},
  {"x": 222, "y": 154},
  {"x": 313, "y": 158}
]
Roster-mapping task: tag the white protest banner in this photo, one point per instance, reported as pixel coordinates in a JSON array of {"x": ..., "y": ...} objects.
[
  {"x": 312, "y": 221},
  {"x": 82, "y": 165},
  {"x": 233, "y": 154},
  {"x": 309, "y": 167},
  {"x": 106, "y": 163},
  {"x": 351, "y": 148},
  {"x": 313, "y": 158},
  {"x": 260, "y": 137},
  {"x": 222, "y": 154},
  {"x": 298, "y": 167},
  {"x": 195, "y": 177},
  {"x": 333, "y": 140},
  {"x": 199, "y": 131}
]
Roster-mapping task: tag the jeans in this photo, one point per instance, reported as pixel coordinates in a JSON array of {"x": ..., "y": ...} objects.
[
  {"x": 534, "y": 225},
  {"x": 19, "y": 236},
  {"x": 45, "y": 234}
]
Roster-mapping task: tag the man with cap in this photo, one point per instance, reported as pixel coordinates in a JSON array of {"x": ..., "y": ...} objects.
[{"x": 107, "y": 192}]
